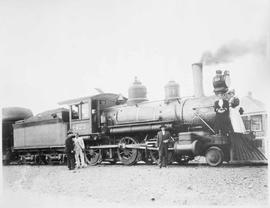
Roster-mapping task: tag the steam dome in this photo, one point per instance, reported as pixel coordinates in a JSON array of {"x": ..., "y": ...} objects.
[
  {"x": 136, "y": 92},
  {"x": 171, "y": 90}
]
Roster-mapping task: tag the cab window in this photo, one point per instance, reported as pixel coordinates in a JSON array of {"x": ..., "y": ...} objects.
[
  {"x": 85, "y": 111},
  {"x": 75, "y": 111}
]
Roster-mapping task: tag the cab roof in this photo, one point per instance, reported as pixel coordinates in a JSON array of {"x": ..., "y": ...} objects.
[{"x": 101, "y": 96}]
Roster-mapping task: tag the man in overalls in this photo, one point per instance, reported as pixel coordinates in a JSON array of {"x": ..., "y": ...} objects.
[{"x": 79, "y": 152}]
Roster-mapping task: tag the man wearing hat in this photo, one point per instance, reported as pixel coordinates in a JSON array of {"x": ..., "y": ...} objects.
[
  {"x": 69, "y": 148},
  {"x": 163, "y": 138}
]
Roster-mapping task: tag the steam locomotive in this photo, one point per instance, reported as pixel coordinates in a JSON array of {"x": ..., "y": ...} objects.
[{"x": 116, "y": 128}]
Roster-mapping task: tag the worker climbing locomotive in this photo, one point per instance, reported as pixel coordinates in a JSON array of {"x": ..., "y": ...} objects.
[{"x": 115, "y": 128}]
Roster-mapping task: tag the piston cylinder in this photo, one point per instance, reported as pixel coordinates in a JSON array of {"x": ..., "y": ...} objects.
[
  {"x": 186, "y": 149},
  {"x": 187, "y": 144}
]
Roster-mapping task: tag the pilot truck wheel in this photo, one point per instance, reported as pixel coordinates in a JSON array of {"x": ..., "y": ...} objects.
[
  {"x": 93, "y": 156},
  {"x": 214, "y": 156}
]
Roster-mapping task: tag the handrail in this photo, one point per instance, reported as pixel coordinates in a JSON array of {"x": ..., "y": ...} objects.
[{"x": 196, "y": 114}]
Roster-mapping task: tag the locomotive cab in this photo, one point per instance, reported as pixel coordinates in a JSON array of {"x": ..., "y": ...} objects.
[{"x": 86, "y": 112}]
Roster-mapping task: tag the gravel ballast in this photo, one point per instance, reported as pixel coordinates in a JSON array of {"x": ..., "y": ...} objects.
[{"x": 140, "y": 185}]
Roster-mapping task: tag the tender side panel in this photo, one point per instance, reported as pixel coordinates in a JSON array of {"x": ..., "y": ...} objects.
[
  {"x": 40, "y": 136},
  {"x": 19, "y": 137}
]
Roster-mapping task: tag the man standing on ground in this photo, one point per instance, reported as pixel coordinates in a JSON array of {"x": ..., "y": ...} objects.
[
  {"x": 163, "y": 138},
  {"x": 79, "y": 152},
  {"x": 69, "y": 148}
]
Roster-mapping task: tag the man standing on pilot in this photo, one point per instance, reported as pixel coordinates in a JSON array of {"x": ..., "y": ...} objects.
[
  {"x": 163, "y": 138},
  {"x": 222, "y": 121}
]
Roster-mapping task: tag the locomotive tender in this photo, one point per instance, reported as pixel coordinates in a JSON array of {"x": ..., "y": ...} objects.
[
  {"x": 41, "y": 138},
  {"x": 115, "y": 128}
]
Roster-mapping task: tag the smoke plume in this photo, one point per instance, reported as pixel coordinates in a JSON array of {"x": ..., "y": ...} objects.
[{"x": 232, "y": 50}]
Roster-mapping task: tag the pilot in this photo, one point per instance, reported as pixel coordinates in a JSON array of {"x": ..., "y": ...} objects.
[
  {"x": 79, "y": 152},
  {"x": 163, "y": 138},
  {"x": 69, "y": 149}
]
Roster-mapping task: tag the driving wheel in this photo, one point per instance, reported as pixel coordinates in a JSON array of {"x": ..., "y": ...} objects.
[{"x": 127, "y": 156}]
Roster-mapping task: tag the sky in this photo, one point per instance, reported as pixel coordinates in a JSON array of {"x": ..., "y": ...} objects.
[{"x": 57, "y": 50}]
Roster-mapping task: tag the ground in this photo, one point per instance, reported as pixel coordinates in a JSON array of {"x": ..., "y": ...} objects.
[{"x": 139, "y": 186}]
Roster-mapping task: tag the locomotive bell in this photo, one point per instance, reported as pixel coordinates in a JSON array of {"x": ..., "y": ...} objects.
[
  {"x": 171, "y": 90},
  {"x": 136, "y": 93}
]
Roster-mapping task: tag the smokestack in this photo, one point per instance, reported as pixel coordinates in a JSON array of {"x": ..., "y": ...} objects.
[{"x": 197, "y": 79}]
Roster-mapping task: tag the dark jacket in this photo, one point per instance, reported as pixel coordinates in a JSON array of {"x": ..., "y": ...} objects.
[
  {"x": 161, "y": 138},
  {"x": 69, "y": 145},
  {"x": 222, "y": 121},
  {"x": 225, "y": 106}
]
